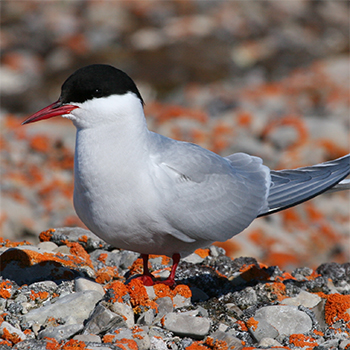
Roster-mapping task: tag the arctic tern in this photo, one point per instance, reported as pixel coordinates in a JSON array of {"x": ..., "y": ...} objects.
[{"x": 144, "y": 192}]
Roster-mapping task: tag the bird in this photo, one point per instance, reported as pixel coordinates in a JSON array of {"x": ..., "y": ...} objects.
[{"x": 141, "y": 191}]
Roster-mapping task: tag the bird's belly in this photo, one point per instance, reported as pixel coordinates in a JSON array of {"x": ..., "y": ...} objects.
[{"x": 129, "y": 221}]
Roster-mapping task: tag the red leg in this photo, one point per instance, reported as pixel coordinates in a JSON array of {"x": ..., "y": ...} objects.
[
  {"x": 170, "y": 281},
  {"x": 146, "y": 277}
]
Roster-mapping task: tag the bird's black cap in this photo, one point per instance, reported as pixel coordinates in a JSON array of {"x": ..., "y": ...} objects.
[{"x": 97, "y": 80}]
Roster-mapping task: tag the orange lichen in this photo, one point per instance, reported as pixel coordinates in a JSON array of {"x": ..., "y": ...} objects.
[
  {"x": 216, "y": 344},
  {"x": 9, "y": 244},
  {"x": 52, "y": 344},
  {"x": 83, "y": 238},
  {"x": 337, "y": 308},
  {"x": 39, "y": 295},
  {"x": 302, "y": 340},
  {"x": 321, "y": 334},
  {"x": 118, "y": 289},
  {"x": 74, "y": 345},
  {"x": 136, "y": 267},
  {"x": 45, "y": 236},
  {"x": 11, "y": 337},
  {"x": 162, "y": 290},
  {"x": 108, "y": 338},
  {"x": 139, "y": 296},
  {"x": 130, "y": 343},
  {"x": 252, "y": 323},
  {"x": 183, "y": 290},
  {"x": 106, "y": 274},
  {"x": 197, "y": 345},
  {"x": 278, "y": 289},
  {"x": 77, "y": 250},
  {"x": 203, "y": 253},
  {"x": 4, "y": 289},
  {"x": 242, "y": 325},
  {"x": 102, "y": 257}
]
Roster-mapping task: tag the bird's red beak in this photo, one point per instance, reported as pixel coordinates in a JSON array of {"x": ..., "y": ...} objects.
[{"x": 50, "y": 111}]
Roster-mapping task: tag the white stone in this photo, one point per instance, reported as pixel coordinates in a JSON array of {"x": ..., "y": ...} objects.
[{"x": 81, "y": 284}]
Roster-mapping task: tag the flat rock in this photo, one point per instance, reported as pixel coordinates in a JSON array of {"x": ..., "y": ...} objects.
[
  {"x": 272, "y": 321},
  {"x": 186, "y": 325},
  {"x": 81, "y": 284},
  {"x": 60, "y": 332},
  {"x": 304, "y": 298},
  {"x": 77, "y": 305}
]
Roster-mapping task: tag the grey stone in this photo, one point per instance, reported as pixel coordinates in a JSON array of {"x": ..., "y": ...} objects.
[
  {"x": 91, "y": 338},
  {"x": 318, "y": 311},
  {"x": 125, "y": 311},
  {"x": 29, "y": 344},
  {"x": 279, "y": 320},
  {"x": 230, "y": 339},
  {"x": 146, "y": 318},
  {"x": 216, "y": 251},
  {"x": 303, "y": 298},
  {"x": 102, "y": 320},
  {"x": 193, "y": 259},
  {"x": 186, "y": 325},
  {"x": 60, "y": 332},
  {"x": 150, "y": 292},
  {"x": 63, "y": 249},
  {"x": 158, "y": 344},
  {"x": 233, "y": 308},
  {"x": 127, "y": 258},
  {"x": 344, "y": 344},
  {"x": 269, "y": 342},
  {"x": 77, "y": 305},
  {"x": 81, "y": 284},
  {"x": 180, "y": 301},
  {"x": 165, "y": 305},
  {"x": 50, "y": 246}
]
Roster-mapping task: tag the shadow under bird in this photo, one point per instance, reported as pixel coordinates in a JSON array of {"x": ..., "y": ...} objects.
[{"x": 144, "y": 192}]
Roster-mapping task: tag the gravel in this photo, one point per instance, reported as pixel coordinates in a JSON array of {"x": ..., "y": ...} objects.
[{"x": 218, "y": 303}]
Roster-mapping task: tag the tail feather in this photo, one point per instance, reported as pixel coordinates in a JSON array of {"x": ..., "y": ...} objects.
[{"x": 291, "y": 187}]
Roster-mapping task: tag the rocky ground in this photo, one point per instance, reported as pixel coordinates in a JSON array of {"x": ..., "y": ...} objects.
[{"x": 72, "y": 291}]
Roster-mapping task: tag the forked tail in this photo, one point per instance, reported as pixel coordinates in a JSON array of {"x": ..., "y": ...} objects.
[{"x": 291, "y": 187}]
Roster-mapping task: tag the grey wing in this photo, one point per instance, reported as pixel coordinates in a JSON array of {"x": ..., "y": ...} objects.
[
  {"x": 214, "y": 198},
  {"x": 291, "y": 187}
]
